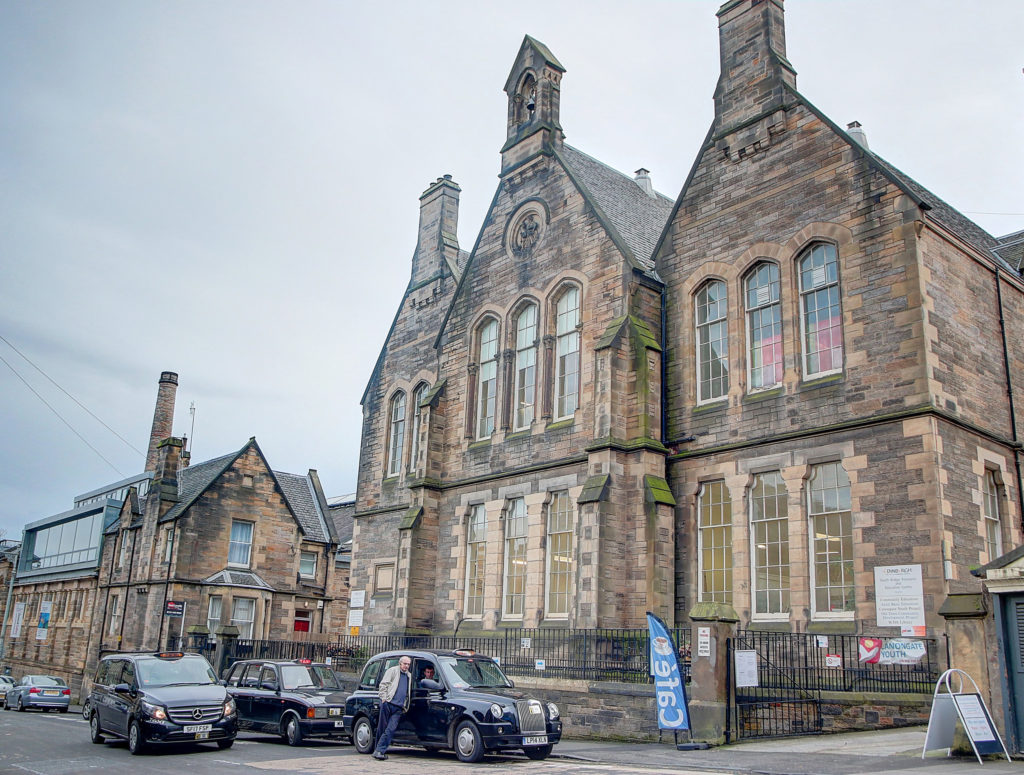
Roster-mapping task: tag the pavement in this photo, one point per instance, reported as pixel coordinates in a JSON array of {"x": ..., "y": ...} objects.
[{"x": 852, "y": 753}]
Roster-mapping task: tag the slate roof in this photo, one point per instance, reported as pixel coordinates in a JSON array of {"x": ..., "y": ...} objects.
[
  {"x": 637, "y": 217},
  {"x": 194, "y": 480},
  {"x": 1011, "y": 249},
  {"x": 999, "y": 562},
  {"x": 237, "y": 578},
  {"x": 298, "y": 491}
]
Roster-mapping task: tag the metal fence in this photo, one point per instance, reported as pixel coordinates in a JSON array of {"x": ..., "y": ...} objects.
[
  {"x": 798, "y": 660},
  {"x": 620, "y": 655}
]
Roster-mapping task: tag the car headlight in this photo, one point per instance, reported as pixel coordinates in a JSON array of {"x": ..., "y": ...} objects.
[
  {"x": 229, "y": 707},
  {"x": 153, "y": 711},
  {"x": 497, "y": 712},
  {"x": 552, "y": 710}
]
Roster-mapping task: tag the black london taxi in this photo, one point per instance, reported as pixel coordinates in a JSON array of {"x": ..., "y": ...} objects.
[
  {"x": 294, "y": 699},
  {"x": 162, "y": 697},
  {"x": 468, "y": 706}
]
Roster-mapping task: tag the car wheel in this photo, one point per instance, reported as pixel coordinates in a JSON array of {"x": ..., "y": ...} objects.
[
  {"x": 292, "y": 731},
  {"x": 94, "y": 729},
  {"x": 86, "y": 710},
  {"x": 538, "y": 752},
  {"x": 225, "y": 744},
  {"x": 362, "y": 735},
  {"x": 468, "y": 745},
  {"x": 136, "y": 744},
  {"x": 21, "y": 705}
]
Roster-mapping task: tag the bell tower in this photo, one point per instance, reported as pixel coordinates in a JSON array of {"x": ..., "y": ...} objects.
[{"x": 534, "y": 89}]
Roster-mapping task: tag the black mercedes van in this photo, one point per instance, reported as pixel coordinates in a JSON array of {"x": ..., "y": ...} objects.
[{"x": 164, "y": 697}]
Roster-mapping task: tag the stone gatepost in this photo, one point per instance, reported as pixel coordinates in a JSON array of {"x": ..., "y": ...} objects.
[
  {"x": 713, "y": 625},
  {"x": 198, "y": 635},
  {"x": 227, "y": 634},
  {"x": 969, "y": 650}
]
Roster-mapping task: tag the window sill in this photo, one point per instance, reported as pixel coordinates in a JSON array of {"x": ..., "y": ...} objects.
[
  {"x": 711, "y": 406},
  {"x": 557, "y": 425},
  {"x": 759, "y": 395},
  {"x": 480, "y": 443},
  {"x": 823, "y": 381}
]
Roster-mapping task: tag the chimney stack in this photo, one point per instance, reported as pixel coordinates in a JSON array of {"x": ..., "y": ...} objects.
[
  {"x": 856, "y": 131},
  {"x": 437, "y": 247},
  {"x": 643, "y": 179},
  {"x": 163, "y": 416}
]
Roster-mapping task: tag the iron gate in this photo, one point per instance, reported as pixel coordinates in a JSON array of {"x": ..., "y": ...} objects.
[{"x": 779, "y": 705}]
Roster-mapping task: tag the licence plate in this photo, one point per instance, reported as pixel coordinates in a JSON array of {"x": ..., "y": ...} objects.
[
  {"x": 539, "y": 740},
  {"x": 197, "y": 728},
  {"x": 339, "y": 723},
  {"x": 50, "y": 693}
]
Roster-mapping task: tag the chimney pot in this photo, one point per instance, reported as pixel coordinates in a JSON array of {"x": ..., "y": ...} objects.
[
  {"x": 643, "y": 179},
  {"x": 856, "y": 131}
]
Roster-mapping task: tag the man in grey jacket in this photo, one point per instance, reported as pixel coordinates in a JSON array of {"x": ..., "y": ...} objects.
[{"x": 395, "y": 693}]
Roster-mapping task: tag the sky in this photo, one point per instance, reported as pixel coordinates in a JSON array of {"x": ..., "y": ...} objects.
[{"x": 229, "y": 190}]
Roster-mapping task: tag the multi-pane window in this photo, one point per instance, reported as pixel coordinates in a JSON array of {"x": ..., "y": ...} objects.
[
  {"x": 125, "y": 543},
  {"x": 560, "y": 564},
  {"x": 213, "y": 614},
  {"x": 396, "y": 434},
  {"x": 115, "y": 614},
  {"x": 515, "y": 558},
  {"x": 764, "y": 326},
  {"x": 243, "y": 613},
  {"x": 307, "y": 564},
  {"x": 769, "y": 534},
  {"x": 993, "y": 524},
  {"x": 715, "y": 539},
  {"x": 476, "y": 560},
  {"x": 567, "y": 361},
  {"x": 828, "y": 505},
  {"x": 821, "y": 318},
  {"x": 417, "y": 422},
  {"x": 168, "y": 543},
  {"x": 240, "y": 544},
  {"x": 526, "y": 366},
  {"x": 712, "y": 341},
  {"x": 488, "y": 380}
]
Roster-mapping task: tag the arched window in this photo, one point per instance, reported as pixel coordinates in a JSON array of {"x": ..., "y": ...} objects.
[
  {"x": 712, "y": 342},
  {"x": 487, "y": 359},
  {"x": 396, "y": 432},
  {"x": 414, "y": 444},
  {"x": 526, "y": 99},
  {"x": 764, "y": 327},
  {"x": 821, "y": 318},
  {"x": 526, "y": 366},
  {"x": 567, "y": 361}
]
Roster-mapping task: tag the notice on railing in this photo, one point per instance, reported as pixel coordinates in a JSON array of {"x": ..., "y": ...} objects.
[
  {"x": 746, "y": 667},
  {"x": 898, "y": 651},
  {"x": 899, "y": 599}
]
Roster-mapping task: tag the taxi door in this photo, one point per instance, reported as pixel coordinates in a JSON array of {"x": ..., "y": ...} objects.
[{"x": 428, "y": 712}]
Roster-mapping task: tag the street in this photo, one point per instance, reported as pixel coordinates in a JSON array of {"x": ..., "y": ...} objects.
[{"x": 58, "y": 744}]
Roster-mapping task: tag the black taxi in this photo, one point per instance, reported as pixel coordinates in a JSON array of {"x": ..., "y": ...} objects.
[
  {"x": 295, "y": 699},
  {"x": 159, "y": 697},
  {"x": 461, "y": 700}
]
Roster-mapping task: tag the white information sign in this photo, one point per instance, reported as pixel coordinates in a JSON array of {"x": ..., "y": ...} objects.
[
  {"x": 355, "y": 617},
  {"x": 358, "y": 598},
  {"x": 822, "y": 641},
  {"x": 746, "y": 667},
  {"x": 899, "y": 599},
  {"x": 18, "y": 618},
  {"x": 539, "y": 664},
  {"x": 703, "y": 641},
  {"x": 974, "y": 718}
]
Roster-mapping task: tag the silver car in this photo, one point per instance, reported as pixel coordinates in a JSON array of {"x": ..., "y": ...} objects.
[
  {"x": 6, "y": 682},
  {"x": 39, "y": 691}
]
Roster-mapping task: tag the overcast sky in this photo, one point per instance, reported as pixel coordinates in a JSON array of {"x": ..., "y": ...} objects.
[{"x": 230, "y": 190}]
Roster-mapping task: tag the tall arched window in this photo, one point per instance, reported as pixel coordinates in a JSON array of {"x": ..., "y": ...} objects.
[
  {"x": 821, "y": 318},
  {"x": 712, "y": 342},
  {"x": 567, "y": 362},
  {"x": 396, "y": 432},
  {"x": 526, "y": 366},
  {"x": 764, "y": 327},
  {"x": 487, "y": 358},
  {"x": 414, "y": 443}
]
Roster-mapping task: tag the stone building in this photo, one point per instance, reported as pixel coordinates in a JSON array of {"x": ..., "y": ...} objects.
[
  {"x": 236, "y": 542},
  {"x": 801, "y": 370}
]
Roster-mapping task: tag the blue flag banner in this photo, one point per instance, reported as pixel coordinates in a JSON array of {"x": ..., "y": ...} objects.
[{"x": 669, "y": 689}]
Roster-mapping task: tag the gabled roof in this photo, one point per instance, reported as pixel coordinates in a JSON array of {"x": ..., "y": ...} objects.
[
  {"x": 1011, "y": 249},
  {"x": 541, "y": 49},
  {"x": 625, "y": 207},
  {"x": 298, "y": 492}
]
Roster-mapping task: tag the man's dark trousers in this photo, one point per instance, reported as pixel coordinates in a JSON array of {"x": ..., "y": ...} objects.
[{"x": 390, "y": 718}]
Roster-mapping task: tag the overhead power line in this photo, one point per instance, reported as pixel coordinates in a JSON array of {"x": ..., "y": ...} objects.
[
  {"x": 62, "y": 390},
  {"x": 79, "y": 435}
]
